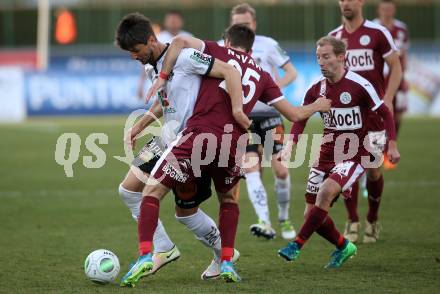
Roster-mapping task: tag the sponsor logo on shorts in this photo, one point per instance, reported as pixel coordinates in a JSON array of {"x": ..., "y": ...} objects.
[
  {"x": 359, "y": 59},
  {"x": 175, "y": 174},
  {"x": 377, "y": 141},
  {"x": 316, "y": 177},
  {"x": 342, "y": 119},
  {"x": 229, "y": 180},
  {"x": 270, "y": 123},
  {"x": 342, "y": 169}
]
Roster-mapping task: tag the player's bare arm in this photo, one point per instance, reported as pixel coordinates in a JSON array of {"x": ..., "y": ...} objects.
[
  {"x": 296, "y": 114},
  {"x": 290, "y": 74},
  {"x": 176, "y": 46},
  {"x": 219, "y": 70},
  {"x": 396, "y": 75},
  {"x": 232, "y": 77},
  {"x": 148, "y": 118}
]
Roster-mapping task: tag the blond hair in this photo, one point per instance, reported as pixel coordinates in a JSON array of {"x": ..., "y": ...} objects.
[
  {"x": 339, "y": 46},
  {"x": 244, "y": 8}
]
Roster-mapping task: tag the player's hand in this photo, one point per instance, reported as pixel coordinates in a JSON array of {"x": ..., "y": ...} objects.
[
  {"x": 242, "y": 119},
  {"x": 392, "y": 153},
  {"x": 132, "y": 134},
  {"x": 323, "y": 104},
  {"x": 158, "y": 84},
  {"x": 390, "y": 106}
]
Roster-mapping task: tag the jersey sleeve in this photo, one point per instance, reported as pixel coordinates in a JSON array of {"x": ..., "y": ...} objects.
[
  {"x": 271, "y": 92},
  {"x": 278, "y": 55},
  {"x": 386, "y": 45},
  {"x": 309, "y": 97},
  {"x": 210, "y": 47},
  {"x": 374, "y": 102},
  {"x": 193, "y": 61}
]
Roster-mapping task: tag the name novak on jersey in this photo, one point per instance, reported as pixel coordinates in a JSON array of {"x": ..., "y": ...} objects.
[{"x": 244, "y": 58}]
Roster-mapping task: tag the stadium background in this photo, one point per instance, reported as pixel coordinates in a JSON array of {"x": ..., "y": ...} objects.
[{"x": 49, "y": 223}]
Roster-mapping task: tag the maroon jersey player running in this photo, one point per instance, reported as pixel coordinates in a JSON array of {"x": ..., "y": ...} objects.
[
  {"x": 369, "y": 47},
  {"x": 213, "y": 134},
  {"x": 343, "y": 155}
]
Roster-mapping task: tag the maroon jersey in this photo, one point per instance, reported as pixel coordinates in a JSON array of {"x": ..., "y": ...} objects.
[
  {"x": 352, "y": 98},
  {"x": 213, "y": 109},
  {"x": 399, "y": 32},
  {"x": 366, "y": 49}
]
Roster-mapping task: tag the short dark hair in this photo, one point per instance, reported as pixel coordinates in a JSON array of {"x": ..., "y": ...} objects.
[
  {"x": 339, "y": 46},
  {"x": 133, "y": 29},
  {"x": 240, "y": 36}
]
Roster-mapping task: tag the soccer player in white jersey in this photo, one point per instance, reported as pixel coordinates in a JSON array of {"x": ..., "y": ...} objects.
[
  {"x": 369, "y": 47},
  {"x": 267, "y": 122},
  {"x": 176, "y": 103},
  {"x": 173, "y": 26}
]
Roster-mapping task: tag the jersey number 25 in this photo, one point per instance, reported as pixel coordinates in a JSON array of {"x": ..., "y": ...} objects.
[{"x": 245, "y": 80}]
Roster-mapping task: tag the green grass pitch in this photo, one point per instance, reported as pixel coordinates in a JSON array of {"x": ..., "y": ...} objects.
[{"x": 49, "y": 223}]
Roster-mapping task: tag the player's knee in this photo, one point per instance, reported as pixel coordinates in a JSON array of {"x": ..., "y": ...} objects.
[
  {"x": 185, "y": 212},
  {"x": 374, "y": 174},
  {"x": 327, "y": 192},
  {"x": 227, "y": 199},
  {"x": 281, "y": 172},
  {"x": 132, "y": 184}
]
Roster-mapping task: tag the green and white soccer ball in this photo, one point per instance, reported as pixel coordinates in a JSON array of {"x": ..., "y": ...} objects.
[{"x": 102, "y": 266}]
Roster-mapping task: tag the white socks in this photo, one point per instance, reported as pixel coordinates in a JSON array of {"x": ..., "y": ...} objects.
[
  {"x": 204, "y": 229},
  {"x": 161, "y": 241},
  {"x": 282, "y": 189},
  {"x": 257, "y": 195}
]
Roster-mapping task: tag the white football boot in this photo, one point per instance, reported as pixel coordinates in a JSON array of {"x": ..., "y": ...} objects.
[{"x": 213, "y": 270}]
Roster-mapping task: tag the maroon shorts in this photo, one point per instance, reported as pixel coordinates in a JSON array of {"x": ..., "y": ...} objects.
[
  {"x": 345, "y": 174},
  {"x": 192, "y": 153}
]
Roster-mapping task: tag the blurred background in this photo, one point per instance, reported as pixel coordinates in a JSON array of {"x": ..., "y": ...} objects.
[{"x": 57, "y": 57}]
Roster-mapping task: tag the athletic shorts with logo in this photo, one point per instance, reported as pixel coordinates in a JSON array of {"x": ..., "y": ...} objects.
[
  {"x": 270, "y": 132},
  {"x": 345, "y": 174},
  {"x": 176, "y": 167},
  {"x": 188, "y": 195}
]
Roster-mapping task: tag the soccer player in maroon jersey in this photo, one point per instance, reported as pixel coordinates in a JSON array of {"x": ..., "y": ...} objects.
[
  {"x": 344, "y": 153},
  {"x": 213, "y": 122},
  {"x": 369, "y": 47},
  {"x": 399, "y": 31}
]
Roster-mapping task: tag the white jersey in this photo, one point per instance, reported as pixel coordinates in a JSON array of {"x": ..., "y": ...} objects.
[
  {"x": 180, "y": 94},
  {"x": 269, "y": 56},
  {"x": 166, "y": 37}
]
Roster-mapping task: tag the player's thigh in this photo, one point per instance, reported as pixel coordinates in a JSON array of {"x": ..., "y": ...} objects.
[
  {"x": 132, "y": 181},
  {"x": 252, "y": 161},
  {"x": 228, "y": 196},
  {"x": 328, "y": 191}
]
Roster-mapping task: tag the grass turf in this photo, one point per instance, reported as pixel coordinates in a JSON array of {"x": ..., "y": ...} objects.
[{"x": 49, "y": 223}]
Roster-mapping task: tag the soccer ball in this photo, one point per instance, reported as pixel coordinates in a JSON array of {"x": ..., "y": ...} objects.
[{"x": 102, "y": 266}]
